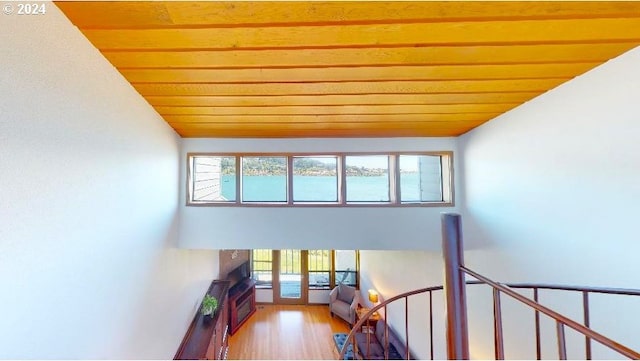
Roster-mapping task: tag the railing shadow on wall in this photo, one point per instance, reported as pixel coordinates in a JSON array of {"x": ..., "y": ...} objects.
[{"x": 457, "y": 342}]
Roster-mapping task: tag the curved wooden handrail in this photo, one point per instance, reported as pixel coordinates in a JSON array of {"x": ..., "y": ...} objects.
[
  {"x": 506, "y": 288},
  {"x": 383, "y": 304},
  {"x": 605, "y": 290},
  {"x": 556, "y": 316}
]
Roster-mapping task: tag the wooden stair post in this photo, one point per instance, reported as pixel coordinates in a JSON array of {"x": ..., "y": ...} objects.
[{"x": 454, "y": 288}]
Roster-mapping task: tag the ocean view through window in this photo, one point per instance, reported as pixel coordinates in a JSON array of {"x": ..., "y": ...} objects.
[
  {"x": 367, "y": 178},
  {"x": 315, "y": 179},
  {"x": 264, "y": 179},
  {"x": 397, "y": 179}
]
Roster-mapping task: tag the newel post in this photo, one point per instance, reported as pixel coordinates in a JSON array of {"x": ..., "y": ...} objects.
[{"x": 454, "y": 288}]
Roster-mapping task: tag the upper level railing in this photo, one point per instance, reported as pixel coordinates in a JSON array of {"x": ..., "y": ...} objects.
[
  {"x": 455, "y": 301},
  {"x": 585, "y": 291},
  {"x": 457, "y": 334},
  {"x": 364, "y": 319}
]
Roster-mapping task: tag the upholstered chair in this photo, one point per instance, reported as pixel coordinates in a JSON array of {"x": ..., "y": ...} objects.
[{"x": 344, "y": 301}]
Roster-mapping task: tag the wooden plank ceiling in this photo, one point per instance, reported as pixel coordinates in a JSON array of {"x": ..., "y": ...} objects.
[{"x": 349, "y": 69}]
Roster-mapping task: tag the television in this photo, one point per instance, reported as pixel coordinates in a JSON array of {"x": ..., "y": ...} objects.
[{"x": 239, "y": 274}]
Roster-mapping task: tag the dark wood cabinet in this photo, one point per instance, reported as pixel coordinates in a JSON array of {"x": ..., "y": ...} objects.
[
  {"x": 242, "y": 303},
  {"x": 208, "y": 337}
]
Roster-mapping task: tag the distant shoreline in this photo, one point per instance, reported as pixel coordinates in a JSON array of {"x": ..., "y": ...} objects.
[{"x": 355, "y": 172}]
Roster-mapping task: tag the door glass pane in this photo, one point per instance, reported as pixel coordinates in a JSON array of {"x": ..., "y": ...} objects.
[{"x": 290, "y": 273}]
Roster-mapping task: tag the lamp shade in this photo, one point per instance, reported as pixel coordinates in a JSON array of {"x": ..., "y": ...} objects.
[{"x": 373, "y": 296}]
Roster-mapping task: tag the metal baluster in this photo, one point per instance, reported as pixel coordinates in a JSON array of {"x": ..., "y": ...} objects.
[
  {"x": 431, "y": 321},
  {"x": 497, "y": 326},
  {"x": 538, "y": 346},
  {"x": 386, "y": 334},
  {"x": 585, "y": 307},
  {"x": 562, "y": 346},
  {"x": 406, "y": 325}
]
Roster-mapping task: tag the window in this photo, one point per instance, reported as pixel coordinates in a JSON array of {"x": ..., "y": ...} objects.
[
  {"x": 319, "y": 264},
  {"x": 320, "y": 180},
  {"x": 325, "y": 268},
  {"x": 264, "y": 179},
  {"x": 262, "y": 266},
  {"x": 315, "y": 179},
  {"x": 367, "y": 178},
  {"x": 213, "y": 179},
  {"x": 346, "y": 267}
]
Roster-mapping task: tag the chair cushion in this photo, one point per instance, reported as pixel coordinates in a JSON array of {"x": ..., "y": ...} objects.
[
  {"x": 341, "y": 309},
  {"x": 346, "y": 293}
]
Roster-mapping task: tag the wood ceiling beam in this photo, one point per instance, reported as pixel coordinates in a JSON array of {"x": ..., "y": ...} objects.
[
  {"x": 315, "y": 100},
  {"x": 321, "y": 133},
  {"x": 127, "y": 14},
  {"x": 339, "y": 109},
  {"x": 377, "y": 35},
  {"x": 441, "y": 72},
  {"x": 380, "y": 129},
  {"x": 312, "y": 58},
  {"x": 391, "y": 87},
  {"x": 317, "y": 120}
]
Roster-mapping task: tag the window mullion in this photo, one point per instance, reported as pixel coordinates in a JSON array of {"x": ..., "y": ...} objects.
[
  {"x": 342, "y": 179},
  {"x": 394, "y": 179},
  {"x": 238, "y": 179},
  {"x": 289, "y": 180}
]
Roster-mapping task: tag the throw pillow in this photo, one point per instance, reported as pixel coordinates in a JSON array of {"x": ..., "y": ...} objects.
[{"x": 346, "y": 293}]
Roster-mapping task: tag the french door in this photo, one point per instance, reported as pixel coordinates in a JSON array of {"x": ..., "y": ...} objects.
[{"x": 290, "y": 276}]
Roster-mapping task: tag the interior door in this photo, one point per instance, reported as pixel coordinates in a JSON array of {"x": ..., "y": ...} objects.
[{"x": 290, "y": 285}]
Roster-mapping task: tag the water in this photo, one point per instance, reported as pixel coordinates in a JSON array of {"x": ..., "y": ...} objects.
[{"x": 319, "y": 188}]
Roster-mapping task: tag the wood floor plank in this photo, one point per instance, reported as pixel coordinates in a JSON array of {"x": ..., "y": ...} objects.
[{"x": 279, "y": 332}]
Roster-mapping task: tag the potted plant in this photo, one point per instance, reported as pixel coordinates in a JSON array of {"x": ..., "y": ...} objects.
[{"x": 209, "y": 305}]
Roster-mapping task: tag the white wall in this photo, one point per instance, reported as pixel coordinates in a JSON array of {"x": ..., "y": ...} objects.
[
  {"x": 310, "y": 228},
  {"x": 89, "y": 267},
  {"x": 552, "y": 194},
  {"x": 391, "y": 273}
]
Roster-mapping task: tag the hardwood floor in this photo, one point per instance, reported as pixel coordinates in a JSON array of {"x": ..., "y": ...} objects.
[{"x": 282, "y": 332}]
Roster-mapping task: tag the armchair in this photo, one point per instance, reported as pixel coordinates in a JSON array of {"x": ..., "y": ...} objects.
[{"x": 344, "y": 301}]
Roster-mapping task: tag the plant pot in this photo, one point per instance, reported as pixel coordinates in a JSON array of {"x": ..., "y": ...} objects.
[{"x": 207, "y": 318}]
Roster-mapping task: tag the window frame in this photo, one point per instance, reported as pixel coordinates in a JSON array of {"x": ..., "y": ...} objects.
[
  {"x": 240, "y": 180},
  {"x": 329, "y": 271},
  {"x": 391, "y": 193},
  {"x": 338, "y": 178},
  {"x": 446, "y": 168},
  {"x": 265, "y": 285},
  {"x": 191, "y": 180},
  {"x": 275, "y": 268}
]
